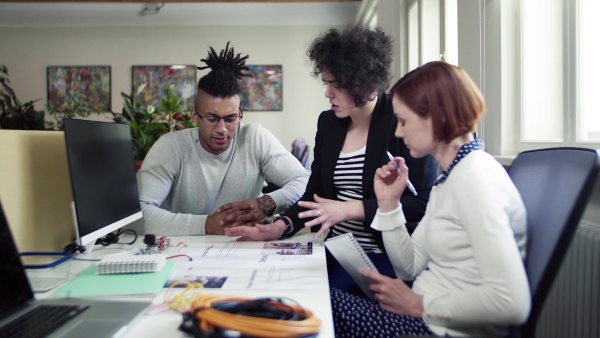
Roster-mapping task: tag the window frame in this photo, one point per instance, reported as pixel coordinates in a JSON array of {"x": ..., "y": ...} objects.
[{"x": 571, "y": 108}]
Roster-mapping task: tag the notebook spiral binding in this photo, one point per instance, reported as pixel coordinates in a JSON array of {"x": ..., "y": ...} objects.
[{"x": 360, "y": 250}]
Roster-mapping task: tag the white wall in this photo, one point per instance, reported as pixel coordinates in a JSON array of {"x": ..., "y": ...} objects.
[{"x": 28, "y": 51}]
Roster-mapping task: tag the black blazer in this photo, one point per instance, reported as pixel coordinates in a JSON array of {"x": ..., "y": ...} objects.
[{"x": 331, "y": 133}]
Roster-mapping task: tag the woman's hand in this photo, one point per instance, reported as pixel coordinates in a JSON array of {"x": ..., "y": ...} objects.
[
  {"x": 330, "y": 212},
  {"x": 258, "y": 232},
  {"x": 394, "y": 296},
  {"x": 389, "y": 184}
]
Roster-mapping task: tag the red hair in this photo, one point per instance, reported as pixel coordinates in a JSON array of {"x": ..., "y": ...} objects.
[{"x": 445, "y": 93}]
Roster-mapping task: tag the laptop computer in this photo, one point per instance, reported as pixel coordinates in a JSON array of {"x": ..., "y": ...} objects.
[{"x": 77, "y": 317}]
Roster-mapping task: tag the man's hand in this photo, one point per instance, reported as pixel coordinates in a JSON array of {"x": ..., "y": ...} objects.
[
  {"x": 259, "y": 232},
  {"x": 394, "y": 296},
  {"x": 246, "y": 213},
  {"x": 213, "y": 224}
]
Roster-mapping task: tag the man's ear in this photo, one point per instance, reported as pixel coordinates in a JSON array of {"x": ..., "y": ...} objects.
[{"x": 194, "y": 114}]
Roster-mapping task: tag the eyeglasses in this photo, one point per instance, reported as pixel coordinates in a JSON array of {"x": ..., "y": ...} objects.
[{"x": 213, "y": 120}]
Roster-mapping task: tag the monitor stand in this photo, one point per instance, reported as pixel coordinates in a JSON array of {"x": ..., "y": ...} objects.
[{"x": 100, "y": 251}]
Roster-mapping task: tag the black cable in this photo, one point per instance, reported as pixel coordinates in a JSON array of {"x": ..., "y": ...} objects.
[
  {"x": 257, "y": 308},
  {"x": 113, "y": 238}
]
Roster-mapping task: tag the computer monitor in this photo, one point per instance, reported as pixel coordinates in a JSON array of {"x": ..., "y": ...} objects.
[{"x": 105, "y": 191}]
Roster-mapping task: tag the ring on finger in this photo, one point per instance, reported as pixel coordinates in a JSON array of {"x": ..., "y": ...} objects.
[{"x": 318, "y": 213}]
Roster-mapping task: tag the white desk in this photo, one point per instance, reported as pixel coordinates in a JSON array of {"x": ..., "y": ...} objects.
[{"x": 166, "y": 324}]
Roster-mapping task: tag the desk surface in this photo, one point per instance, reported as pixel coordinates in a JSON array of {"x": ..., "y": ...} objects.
[{"x": 165, "y": 324}]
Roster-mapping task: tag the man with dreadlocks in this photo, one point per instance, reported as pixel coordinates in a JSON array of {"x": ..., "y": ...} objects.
[{"x": 200, "y": 181}]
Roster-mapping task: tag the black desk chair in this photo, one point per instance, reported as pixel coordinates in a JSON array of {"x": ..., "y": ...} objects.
[{"x": 555, "y": 185}]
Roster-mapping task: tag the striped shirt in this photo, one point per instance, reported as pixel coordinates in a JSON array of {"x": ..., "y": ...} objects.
[{"x": 347, "y": 179}]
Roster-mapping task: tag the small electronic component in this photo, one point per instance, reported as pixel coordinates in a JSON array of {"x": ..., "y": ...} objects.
[{"x": 154, "y": 245}]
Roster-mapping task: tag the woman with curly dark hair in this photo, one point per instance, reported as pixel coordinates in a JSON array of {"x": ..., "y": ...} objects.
[{"x": 352, "y": 141}]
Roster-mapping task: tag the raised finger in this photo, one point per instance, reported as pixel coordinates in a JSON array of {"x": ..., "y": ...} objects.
[
  {"x": 310, "y": 213},
  {"x": 320, "y": 232},
  {"x": 318, "y": 198},
  {"x": 308, "y": 205},
  {"x": 316, "y": 221}
]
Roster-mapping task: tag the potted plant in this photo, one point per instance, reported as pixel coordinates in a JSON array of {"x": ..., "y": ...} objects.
[
  {"x": 13, "y": 113},
  {"x": 75, "y": 107},
  {"x": 173, "y": 112},
  {"x": 148, "y": 124}
]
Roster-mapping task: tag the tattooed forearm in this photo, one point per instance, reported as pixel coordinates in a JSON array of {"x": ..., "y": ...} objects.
[{"x": 266, "y": 205}]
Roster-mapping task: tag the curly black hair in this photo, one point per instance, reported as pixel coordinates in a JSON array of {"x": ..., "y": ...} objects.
[
  {"x": 358, "y": 58},
  {"x": 226, "y": 69}
]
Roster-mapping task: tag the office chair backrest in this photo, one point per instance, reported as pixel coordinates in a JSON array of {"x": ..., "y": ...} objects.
[{"x": 555, "y": 185}]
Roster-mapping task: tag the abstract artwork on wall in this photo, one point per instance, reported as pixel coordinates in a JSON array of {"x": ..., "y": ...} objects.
[
  {"x": 264, "y": 90},
  {"x": 182, "y": 79},
  {"x": 79, "y": 86}
]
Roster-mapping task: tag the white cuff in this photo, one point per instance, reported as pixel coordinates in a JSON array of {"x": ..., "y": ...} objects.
[{"x": 386, "y": 221}]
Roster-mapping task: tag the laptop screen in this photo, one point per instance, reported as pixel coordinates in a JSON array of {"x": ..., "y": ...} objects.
[{"x": 14, "y": 286}]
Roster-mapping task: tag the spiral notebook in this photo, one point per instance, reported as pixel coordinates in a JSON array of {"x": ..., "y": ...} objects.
[
  {"x": 131, "y": 264},
  {"x": 351, "y": 256}
]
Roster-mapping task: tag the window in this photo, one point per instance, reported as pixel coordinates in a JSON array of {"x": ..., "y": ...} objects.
[
  {"x": 534, "y": 60},
  {"x": 559, "y": 74},
  {"x": 367, "y": 13},
  {"x": 588, "y": 71},
  {"x": 542, "y": 58},
  {"x": 426, "y": 31}
]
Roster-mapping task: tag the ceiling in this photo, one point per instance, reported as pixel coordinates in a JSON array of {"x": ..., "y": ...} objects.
[{"x": 214, "y": 13}]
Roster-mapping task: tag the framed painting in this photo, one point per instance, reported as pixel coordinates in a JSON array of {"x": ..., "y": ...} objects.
[
  {"x": 264, "y": 90},
  {"x": 182, "y": 79},
  {"x": 87, "y": 86}
]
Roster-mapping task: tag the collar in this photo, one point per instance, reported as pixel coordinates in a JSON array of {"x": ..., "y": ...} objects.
[{"x": 462, "y": 152}]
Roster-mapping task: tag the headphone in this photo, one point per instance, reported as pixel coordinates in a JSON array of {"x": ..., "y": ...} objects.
[{"x": 212, "y": 315}]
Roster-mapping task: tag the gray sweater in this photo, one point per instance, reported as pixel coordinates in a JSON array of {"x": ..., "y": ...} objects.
[{"x": 181, "y": 184}]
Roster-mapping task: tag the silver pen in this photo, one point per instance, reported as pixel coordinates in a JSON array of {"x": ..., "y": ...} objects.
[{"x": 408, "y": 184}]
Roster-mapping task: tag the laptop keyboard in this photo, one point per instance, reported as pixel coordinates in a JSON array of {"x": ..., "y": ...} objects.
[{"x": 41, "y": 321}]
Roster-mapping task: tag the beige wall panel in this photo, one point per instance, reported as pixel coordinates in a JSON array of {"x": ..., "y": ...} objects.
[{"x": 35, "y": 188}]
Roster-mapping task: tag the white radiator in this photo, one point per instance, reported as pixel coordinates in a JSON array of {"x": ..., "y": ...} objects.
[{"x": 573, "y": 305}]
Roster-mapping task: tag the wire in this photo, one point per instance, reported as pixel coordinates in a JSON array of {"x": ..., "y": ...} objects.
[
  {"x": 264, "y": 317},
  {"x": 183, "y": 301},
  {"x": 180, "y": 302},
  {"x": 113, "y": 238},
  {"x": 178, "y": 244},
  {"x": 181, "y": 255}
]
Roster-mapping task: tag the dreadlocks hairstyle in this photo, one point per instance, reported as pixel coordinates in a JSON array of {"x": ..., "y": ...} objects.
[
  {"x": 358, "y": 58},
  {"x": 226, "y": 69}
]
